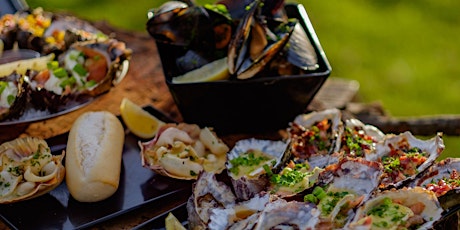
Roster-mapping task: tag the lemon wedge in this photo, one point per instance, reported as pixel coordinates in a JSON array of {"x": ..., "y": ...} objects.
[
  {"x": 140, "y": 122},
  {"x": 214, "y": 71},
  {"x": 172, "y": 223}
]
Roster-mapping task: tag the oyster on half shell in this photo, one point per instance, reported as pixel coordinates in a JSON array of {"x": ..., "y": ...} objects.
[
  {"x": 402, "y": 208},
  {"x": 443, "y": 178},
  {"x": 315, "y": 137},
  {"x": 248, "y": 162},
  {"x": 13, "y": 96},
  {"x": 404, "y": 156},
  {"x": 183, "y": 150},
  {"x": 28, "y": 169},
  {"x": 358, "y": 139}
]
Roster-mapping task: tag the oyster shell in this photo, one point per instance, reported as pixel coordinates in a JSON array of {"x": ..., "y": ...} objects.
[
  {"x": 358, "y": 139},
  {"x": 13, "y": 96},
  {"x": 207, "y": 194},
  {"x": 352, "y": 182},
  {"x": 28, "y": 169},
  {"x": 248, "y": 161},
  {"x": 391, "y": 209},
  {"x": 182, "y": 151},
  {"x": 404, "y": 156},
  {"x": 443, "y": 179},
  {"x": 315, "y": 137},
  {"x": 8, "y": 29},
  {"x": 281, "y": 214}
]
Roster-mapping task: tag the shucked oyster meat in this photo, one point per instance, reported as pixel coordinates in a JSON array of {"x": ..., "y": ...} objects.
[
  {"x": 28, "y": 169},
  {"x": 183, "y": 150}
]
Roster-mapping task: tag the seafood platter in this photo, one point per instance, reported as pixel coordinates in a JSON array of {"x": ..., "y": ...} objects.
[
  {"x": 52, "y": 64},
  {"x": 280, "y": 74}
]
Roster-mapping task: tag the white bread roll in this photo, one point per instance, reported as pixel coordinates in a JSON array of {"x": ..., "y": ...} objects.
[{"x": 94, "y": 154}]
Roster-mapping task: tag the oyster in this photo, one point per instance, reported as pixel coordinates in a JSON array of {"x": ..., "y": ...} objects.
[
  {"x": 207, "y": 194},
  {"x": 395, "y": 209},
  {"x": 248, "y": 162},
  {"x": 358, "y": 139},
  {"x": 281, "y": 214},
  {"x": 182, "y": 151},
  {"x": 352, "y": 182},
  {"x": 293, "y": 179},
  {"x": 31, "y": 27},
  {"x": 28, "y": 169},
  {"x": 13, "y": 96},
  {"x": 404, "y": 156},
  {"x": 443, "y": 179},
  {"x": 315, "y": 137}
]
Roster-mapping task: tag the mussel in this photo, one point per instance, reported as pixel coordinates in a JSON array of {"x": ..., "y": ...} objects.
[
  {"x": 28, "y": 169},
  {"x": 13, "y": 96},
  {"x": 8, "y": 29}
]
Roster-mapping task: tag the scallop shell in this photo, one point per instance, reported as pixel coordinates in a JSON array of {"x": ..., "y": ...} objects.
[
  {"x": 256, "y": 180},
  {"x": 304, "y": 150},
  {"x": 442, "y": 170},
  {"x": 404, "y": 142},
  {"x": 182, "y": 151},
  {"x": 417, "y": 199},
  {"x": 29, "y": 169}
]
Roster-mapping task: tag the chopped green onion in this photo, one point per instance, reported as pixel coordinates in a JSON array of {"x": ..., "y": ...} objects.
[
  {"x": 92, "y": 83},
  {"x": 60, "y": 73},
  {"x": 52, "y": 65},
  {"x": 2, "y": 86},
  {"x": 80, "y": 70},
  {"x": 68, "y": 81},
  {"x": 310, "y": 198},
  {"x": 10, "y": 99}
]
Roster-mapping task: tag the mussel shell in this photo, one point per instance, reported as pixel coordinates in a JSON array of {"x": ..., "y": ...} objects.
[
  {"x": 249, "y": 185},
  {"x": 433, "y": 147},
  {"x": 17, "y": 108},
  {"x": 25, "y": 37},
  {"x": 19, "y": 149},
  {"x": 8, "y": 30},
  {"x": 438, "y": 171},
  {"x": 407, "y": 197}
]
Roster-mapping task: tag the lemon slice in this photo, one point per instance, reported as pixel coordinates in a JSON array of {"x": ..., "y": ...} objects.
[
  {"x": 214, "y": 71},
  {"x": 140, "y": 122},
  {"x": 172, "y": 223}
]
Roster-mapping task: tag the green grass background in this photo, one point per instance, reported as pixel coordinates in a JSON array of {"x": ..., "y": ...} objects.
[{"x": 404, "y": 54}]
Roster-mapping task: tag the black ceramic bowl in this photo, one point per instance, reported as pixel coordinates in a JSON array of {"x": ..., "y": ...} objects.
[{"x": 248, "y": 106}]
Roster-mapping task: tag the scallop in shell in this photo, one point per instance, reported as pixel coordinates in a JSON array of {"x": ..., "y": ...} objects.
[
  {"x": 28, "y": 169},
  {"x": 443, "y": 178},
  {"x": 315, "y": 137},
  {"x": 183, "y": 150},
  {"x": 248, "y": 162},
  {"x": 404, "y": 156},
  {"x": 395, "y": 209}
]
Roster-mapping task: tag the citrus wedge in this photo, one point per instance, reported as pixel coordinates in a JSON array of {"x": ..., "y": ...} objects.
[
  {"x": 214, "y": 71},
  {"x": 140, "y": 122},
  {"x": 172, "y": 223}
]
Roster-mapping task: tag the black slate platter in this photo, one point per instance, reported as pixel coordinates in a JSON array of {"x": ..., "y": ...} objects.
[{"x": 138, "y": 187}]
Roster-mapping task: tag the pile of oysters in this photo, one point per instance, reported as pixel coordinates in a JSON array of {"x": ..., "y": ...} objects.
[{"x": 327, "y": 173}]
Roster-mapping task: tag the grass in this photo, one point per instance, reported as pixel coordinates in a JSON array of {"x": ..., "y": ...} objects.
[{"x": 403, "y": 53}]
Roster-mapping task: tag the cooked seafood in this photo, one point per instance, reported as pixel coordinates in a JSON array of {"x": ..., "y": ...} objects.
[
  {"x": 359, "y": 140},
  {"x": 315, "y": 137},
  {"x": 8, "y": 28},
  {"x": 404, "y": 156},
  {"x": 182, "y": 151},
  {"x": 394, "y": 209},
  {"x": 443, "y": 179},
  {"x": 249, "y": 162},
  {"x": 28, "y": 169},
  {"x": 353, "y": 181},
  {"x": 13, "y": 96}
]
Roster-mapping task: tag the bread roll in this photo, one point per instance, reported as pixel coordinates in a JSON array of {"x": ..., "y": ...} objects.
[{"x": 94, "y": 154}]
